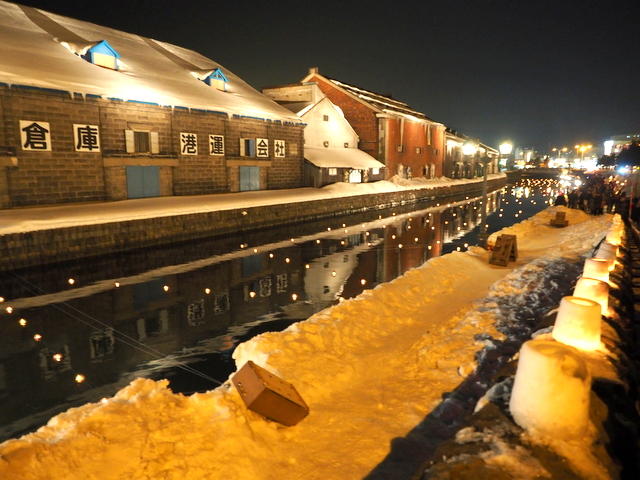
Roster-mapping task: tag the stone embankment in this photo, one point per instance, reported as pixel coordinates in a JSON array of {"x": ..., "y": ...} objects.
[{"x": 18, "y": 250}]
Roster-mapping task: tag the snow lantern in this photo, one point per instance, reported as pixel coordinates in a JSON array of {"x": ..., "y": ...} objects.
[
  {"x": 609, "y": 252},
  {"x": 614, "y": 236},
  {"x": 551, "y": 390},
  {"x": 597, "y": 268},
  {"x": 578, "y": 323},
  {"x": 595, "y": 290}
]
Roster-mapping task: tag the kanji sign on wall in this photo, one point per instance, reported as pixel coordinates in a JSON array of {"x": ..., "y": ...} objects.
[
  {"x": 86, "y": 138},
  {"x": 262, "y": 147},
  {"x": 279, "y": 148},
  {"x": 188, "y": 143},
  {"x": 35, "y": 135},
  {"x": 216, "y": 144}
]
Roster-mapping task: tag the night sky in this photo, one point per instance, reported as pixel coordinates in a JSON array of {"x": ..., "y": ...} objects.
[{"x": 539, "y": 73}]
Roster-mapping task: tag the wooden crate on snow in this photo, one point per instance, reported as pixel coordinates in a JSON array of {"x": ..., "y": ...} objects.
[
  {"x": 269, "y": 395},
  {"x": 559, "y": 220},
  {"x": 505, "y": 249}
]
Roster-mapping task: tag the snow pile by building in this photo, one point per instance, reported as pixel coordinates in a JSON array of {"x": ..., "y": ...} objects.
[{"x": 370, "y": 369}]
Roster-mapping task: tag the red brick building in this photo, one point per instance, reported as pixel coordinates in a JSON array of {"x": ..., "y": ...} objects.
[
  {"x": 405, "y": 140},
  {"x": 89, "y": 113}
]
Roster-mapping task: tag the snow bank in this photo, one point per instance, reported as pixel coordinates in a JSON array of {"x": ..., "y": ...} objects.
[{"x": 369, "y": 368}]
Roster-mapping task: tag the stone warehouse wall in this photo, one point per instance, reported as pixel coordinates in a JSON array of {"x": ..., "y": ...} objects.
[
  {"x": 57, "y": 245},
  {"x": 62, "y": 175}
]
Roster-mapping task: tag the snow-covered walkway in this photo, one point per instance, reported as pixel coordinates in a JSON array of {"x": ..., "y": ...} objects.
[
  {"x": 69, "y": 215},
  {"x": 370, "y": 369}
]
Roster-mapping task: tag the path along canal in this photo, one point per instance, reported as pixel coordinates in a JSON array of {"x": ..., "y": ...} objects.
[{"x": 77, "y": 332}]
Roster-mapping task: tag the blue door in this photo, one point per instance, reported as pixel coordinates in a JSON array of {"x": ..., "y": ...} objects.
[
  {"x": 143, "y": 182},
  {"x": 249, "y": 178}
]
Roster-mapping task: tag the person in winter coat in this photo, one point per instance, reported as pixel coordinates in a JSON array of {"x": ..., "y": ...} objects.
[{"x": 560, "y": 200}]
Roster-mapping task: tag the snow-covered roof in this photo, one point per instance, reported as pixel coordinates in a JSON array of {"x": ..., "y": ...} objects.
[
  {"x": 43, "y": 49},
  {"x": 381, "y": 102},
  {"x": 340, "y": 158}
]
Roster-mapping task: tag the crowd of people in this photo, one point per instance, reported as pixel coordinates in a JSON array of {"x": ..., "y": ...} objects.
[{"x": 598, "y": 195}]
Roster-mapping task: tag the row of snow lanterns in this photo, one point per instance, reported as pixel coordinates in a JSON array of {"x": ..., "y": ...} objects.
[{"x": 551, "y": 391}]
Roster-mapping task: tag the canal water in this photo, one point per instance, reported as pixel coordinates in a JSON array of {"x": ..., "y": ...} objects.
[{"x": 77, "y": 332}]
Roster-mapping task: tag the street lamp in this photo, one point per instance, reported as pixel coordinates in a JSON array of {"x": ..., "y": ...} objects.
[
  {"x": 505, "y": 149},
  {"x": 581, "y": 149}
]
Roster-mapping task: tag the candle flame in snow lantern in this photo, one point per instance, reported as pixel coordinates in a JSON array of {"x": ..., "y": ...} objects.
[
  {"x": 595, "y": 290},
  {"x": 597, "y": 268},
  {"x": 578, "y": 323},
  {"x": 614, "y": 237}
]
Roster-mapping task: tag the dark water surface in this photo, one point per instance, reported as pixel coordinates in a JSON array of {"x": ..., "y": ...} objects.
[{"x": 81, "y": 330}]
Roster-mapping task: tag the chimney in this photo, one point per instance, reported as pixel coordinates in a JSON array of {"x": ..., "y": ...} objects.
[{"x": 313, "y": 70}]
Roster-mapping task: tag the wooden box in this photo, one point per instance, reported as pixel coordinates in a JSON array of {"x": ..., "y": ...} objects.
[
  {"x": 505, "y": 249},
  {"x": 269, "y": 395},
  {"x": 559, "y": 220}
]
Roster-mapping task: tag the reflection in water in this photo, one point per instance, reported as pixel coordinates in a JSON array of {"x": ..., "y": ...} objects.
[{"x": 80, "y": 343}]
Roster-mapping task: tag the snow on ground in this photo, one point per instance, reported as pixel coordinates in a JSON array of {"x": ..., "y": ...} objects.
[
  {"x": 69, "y": 215},
  {"x": 370, "y": 369}
]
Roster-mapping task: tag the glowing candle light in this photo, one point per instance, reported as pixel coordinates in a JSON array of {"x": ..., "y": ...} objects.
[
  {"x": 9, "y": 309},
  {"x": 57, "y": 357},
  {"x": 578, "y": 323},
  {"x": 333, "y": 273},
  {"x": 595, "y": 290},
  {"x": 244, "y": 212},
  {"x": 287, "y": 260},
  {"x": 271, "y": 255},
  {"x": 614, "y": 237},
  {"x": 1, "y": 299},
  {"x": 294, "y": 296},
  {"x": 252, "y": 294},
  {"x": 597, "y": 268},
  {"x": 363, "y": 281},
  {"x": 166, "y": 288},
  {"x": 37, "y": 337},
  {"x": 117, "y": 284},
  {"x": 399, "y": 245},
  {"x": 71, "y": 281},
  {"x": 22, "y": 322},
  {"x": 255, "y": 250},
  {"x": 207, "y": 291},
  {"x": 307, "y": 266},
  {"x": 79, "y": 378}
]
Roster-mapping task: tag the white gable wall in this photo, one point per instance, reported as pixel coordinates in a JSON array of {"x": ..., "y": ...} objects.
[{"x": 336, "y": 130}]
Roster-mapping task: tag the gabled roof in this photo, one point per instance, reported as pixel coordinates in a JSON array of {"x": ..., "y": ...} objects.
[
  {"x": 380, "y": 103},
  {"x": 42, "y": 49},
  {"x": 104, "y": 47}
]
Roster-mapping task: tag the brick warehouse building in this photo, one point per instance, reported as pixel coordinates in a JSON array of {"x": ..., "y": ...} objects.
[
  {"x": 88, "y": 113},
  {"x": 405, "y": 140}
]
